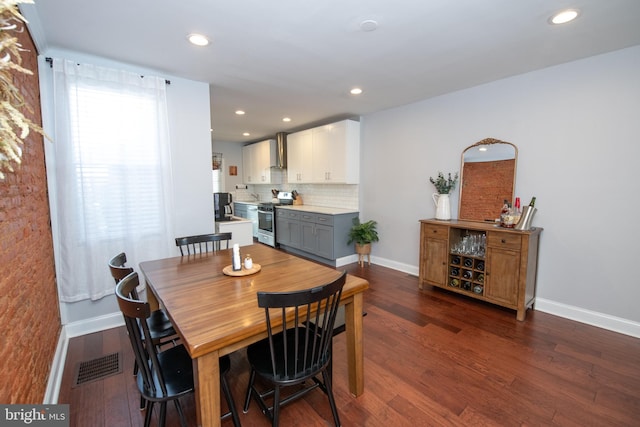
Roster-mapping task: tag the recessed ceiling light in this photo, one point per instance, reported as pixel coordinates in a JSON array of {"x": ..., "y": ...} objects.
[
  {"x": 355, "y": 91},
  {"x": 246, "y": 134},
  {"x": 564, "y": 16},
  {"x": 240, "y": 112},
  {"x": 286, "y": 119},
  {"x": 482, "y": 149},
  {"x": 198, "y": 39}
]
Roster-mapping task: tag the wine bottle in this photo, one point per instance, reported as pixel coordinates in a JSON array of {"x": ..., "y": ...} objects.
[{"x": 532, "y": 203}]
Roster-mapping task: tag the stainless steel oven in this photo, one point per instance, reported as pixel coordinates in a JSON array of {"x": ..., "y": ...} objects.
[
  {"x": 266, "y": 224},
  {"x": 266, "y": 218}
]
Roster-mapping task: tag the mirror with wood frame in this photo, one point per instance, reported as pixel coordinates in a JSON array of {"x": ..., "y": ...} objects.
[{"x": 487, "y": 179}]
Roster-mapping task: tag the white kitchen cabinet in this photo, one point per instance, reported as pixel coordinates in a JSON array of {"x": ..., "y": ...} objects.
[
  {"x": 257, "y": 160},
  {"x": 299, "y": 157},
  {"x": 328, "y": 154}
]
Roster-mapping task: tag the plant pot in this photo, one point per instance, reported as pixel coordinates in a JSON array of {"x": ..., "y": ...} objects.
[{"x": 362, "y": 250}]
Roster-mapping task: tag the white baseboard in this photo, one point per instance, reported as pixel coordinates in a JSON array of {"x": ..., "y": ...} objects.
[
  {"x": 593, "y": 318},
  {"x": 57, "y": 369},
  {"x": 71, "y": 330},
  {"x": 394, "y": 265},
  {"x": 346, "y": 260},
  {"x": 95, "y": 324}
]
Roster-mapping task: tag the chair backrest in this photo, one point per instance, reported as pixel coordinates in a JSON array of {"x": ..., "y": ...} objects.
[
  {"x": 202, "y": 243},
  {"x": 119, "y": 271},
  {"x": 308, "y": 317},
  {"x": 135, "y": 313}
]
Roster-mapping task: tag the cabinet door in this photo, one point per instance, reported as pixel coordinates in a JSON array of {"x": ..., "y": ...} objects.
[
  {"x": 321, "y": 153},
  {"x": 299, "y": 161},
  {"x": 324, "y": 239},
  {"x": 434, "y": 254},
  {"x": 503, "y": 271},
  {"x": 308, "y": 241},
  {"x": 248, "y": 176},
  {"x": 435, "y": 264},
  {"x": 262, "y": 162},
  {"x": 336, "y": 152}
]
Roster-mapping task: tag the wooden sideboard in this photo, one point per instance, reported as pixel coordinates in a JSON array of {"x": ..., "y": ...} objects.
[{"x": 497, "y": 265}]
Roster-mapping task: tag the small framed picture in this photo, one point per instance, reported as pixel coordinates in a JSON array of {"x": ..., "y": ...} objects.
[{"x": 233, "y": 170}]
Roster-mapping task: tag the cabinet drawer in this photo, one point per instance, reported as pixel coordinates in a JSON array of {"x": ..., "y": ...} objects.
[
  {"x": 324, "y": 219},
  {"x": 504, "y": 240},
  {"x": 316, "y": 218},
  {"x": 287, "y": 213},
  {"x": 436, "y": 231}
]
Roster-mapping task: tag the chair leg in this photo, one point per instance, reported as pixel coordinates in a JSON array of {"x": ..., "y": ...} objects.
[
  {"x": 163, "y": 414},
  {"x": 327, "y": 382},
  {"x": 232, "y": 406},
  {"x": 183, "y": 421},
  {"x": 276, "y": 406},
  {"x": 247, "y": 399},
  {"x": 147, "y": 417}
]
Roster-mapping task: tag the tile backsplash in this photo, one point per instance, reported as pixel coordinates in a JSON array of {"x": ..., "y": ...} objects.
[{"x": 328, "y": 195}]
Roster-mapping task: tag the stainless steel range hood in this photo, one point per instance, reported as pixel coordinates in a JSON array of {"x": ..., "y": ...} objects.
[{"x": 281, "y": 151}]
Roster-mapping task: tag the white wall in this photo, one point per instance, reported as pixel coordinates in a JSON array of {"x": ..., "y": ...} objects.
[
  {"x": 189, "y": 121},
  {"x": 232, "y": 156},
  {"x": 576, "y": 127}
]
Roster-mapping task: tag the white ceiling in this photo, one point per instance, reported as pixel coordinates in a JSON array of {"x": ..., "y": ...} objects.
[{"x": 299, "y": 58}]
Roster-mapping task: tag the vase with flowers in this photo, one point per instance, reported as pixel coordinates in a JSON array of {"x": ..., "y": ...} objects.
[{"x": 444, "y": 185}]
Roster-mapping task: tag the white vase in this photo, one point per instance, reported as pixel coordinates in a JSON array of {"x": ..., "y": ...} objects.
[{"x": 443, "y": 206}]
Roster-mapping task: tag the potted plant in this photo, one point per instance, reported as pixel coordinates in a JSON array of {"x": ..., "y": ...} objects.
[
  {"x": 441, "y": 198},
  {"x": 444, "y": 185},
  {"x": 363, "y": 233}
]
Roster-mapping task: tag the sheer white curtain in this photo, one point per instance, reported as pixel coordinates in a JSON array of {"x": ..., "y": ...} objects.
[{"x": 112, "y": 174}]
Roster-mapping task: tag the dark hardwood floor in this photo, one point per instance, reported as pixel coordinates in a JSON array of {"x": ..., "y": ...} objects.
[{"x": 431, "y": 358}]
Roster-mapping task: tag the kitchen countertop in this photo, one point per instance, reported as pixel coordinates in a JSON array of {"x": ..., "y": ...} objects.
[
  {"x": 235, "y": 220},
  {"x": 318, "y": 209},
  {"x": 247, "y": 203}
]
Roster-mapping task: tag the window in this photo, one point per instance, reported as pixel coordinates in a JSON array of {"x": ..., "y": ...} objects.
[{"x": 112, "y": 174}]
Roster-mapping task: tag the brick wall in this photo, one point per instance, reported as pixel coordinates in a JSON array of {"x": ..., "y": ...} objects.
[
  {"x": 29, "y": 311},
  {"x": 491, "y": 184}
]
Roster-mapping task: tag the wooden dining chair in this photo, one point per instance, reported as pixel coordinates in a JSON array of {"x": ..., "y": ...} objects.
[
  {"x": 160, "y": 327},
  {"x": 162, "y": 376},
  {"x": 299, "y": 354},
  {"x": 202, "y": 243}
]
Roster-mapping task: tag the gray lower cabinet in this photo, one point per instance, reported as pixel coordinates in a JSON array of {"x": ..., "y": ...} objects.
[
  {"x": 240, "y": 209},
  {"x": 318, "y": 235}
]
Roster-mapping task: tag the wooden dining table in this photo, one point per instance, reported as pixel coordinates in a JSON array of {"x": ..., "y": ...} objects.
[{"x": 216, "y": 314}]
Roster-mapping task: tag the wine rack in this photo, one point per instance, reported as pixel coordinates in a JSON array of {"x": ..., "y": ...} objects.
[{"x": 466, "y": 273}]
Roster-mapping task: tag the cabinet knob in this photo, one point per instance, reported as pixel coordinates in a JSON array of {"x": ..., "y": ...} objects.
[{"x": 503, "y": 241}]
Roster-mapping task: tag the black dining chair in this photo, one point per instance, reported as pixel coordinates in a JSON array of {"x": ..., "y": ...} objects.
[
  {"x": 160, "y": 326},
  {"x": 300, "y": 328},
  {"x": 162, "y": 376},
  {"x": 202, "y": 243}
]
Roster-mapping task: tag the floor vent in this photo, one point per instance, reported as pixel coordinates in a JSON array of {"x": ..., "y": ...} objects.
[{"x": 97, "y": 369}]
